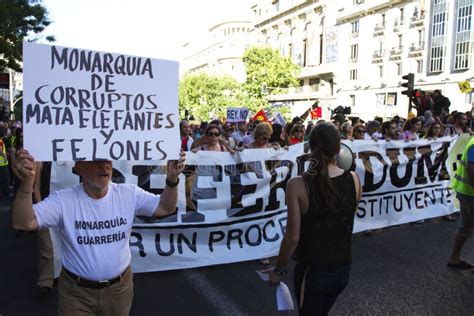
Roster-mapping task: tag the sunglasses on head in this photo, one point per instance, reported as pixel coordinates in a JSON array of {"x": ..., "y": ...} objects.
[{"x": 216, "y": 134}]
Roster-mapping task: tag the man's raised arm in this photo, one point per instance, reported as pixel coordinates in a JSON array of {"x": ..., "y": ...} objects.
[
  {"x": 23, "y": 215},
  {"x": 169, "y": 197}
]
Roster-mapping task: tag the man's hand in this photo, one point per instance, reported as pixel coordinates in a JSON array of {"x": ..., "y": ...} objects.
[
  {"x": 273, "y": 279},
  {"x": 24, "y": 164},
  {"x": 175, "y": 167}
]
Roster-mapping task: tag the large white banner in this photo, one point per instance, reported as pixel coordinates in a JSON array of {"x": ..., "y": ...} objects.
[
  {"x": 87, "y": 105},
  {"x": 232, "y": 208}
]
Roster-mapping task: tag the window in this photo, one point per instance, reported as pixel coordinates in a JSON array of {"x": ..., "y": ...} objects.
[
  {"x": 383, "y": 19},
  {"x": 353, "y": 100},
  {"x": 470, "y": 97},
  {"x": 464, "y": 18},
  {"x": 463, "y": 52},
  {"x": 314, "y": 84},
  {"x": 276, "y": 5},
  {"x": 380, "y": 99},
  {"x": 419, "y": 66},
  {"x": 420, "y": 36},
  {"x": 300, "y": 87},
  {"x": 391, "y": 99},
  {"x": 399, "y": 69},
  {"x": 401, "y": 15},
  {"x": 305, "y": 49},
  {"x": 355, "y": 27},
  {"x": 463, "y": 46},
  {"x": 439, "y": 24},
  {"x": 354, "y": 52},
  {"x": 400, "y": 41},
  {"x": 381, "y": 71},
  {"x": 438, "y": 36},
  {"x": 437, "y": 59},
  {"x": 321, "y": 48},
  {"x": 353, "y": 74}
]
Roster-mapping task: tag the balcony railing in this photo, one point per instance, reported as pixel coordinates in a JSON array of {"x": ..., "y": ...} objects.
[
  {"x": 416, "y": 49},
  {"x": 396, "y": 51},
  {"x": 377, "y": 57},
  {"x": 397, "y": 25},
  {"x": 379, "y": 29},
  {"x": 417, "y": 20},
  {"x": 354, "y": 34}
]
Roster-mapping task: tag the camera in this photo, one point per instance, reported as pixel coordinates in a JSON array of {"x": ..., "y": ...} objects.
[{"x": 339, "y": 113}]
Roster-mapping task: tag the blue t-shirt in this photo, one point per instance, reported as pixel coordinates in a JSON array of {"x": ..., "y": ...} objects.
[{"x": 470, "y": 154}]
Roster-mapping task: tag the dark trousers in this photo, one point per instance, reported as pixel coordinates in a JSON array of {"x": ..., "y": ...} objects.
[
  {"x": 4, "y": 181},
  {"x": 321, "y": 287}
]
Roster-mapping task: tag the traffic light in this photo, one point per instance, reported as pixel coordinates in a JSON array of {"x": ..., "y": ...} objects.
[{"x": 409, "y": 84}]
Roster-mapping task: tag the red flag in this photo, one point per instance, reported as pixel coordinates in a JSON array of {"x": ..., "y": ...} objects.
[
  {"x": 260, "y": 116},
  {"x": 316, "y": 113}
]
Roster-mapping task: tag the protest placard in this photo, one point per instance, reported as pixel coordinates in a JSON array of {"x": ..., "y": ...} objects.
[
  {"x": 88, "y": 105},
  {"x": 236, "y": 115}
]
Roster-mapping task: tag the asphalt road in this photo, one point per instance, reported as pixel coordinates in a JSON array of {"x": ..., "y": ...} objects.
[{"x": 400, "y": 270}]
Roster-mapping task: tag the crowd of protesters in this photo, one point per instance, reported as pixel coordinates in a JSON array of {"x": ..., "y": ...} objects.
[{"x": 434, "y": 122}]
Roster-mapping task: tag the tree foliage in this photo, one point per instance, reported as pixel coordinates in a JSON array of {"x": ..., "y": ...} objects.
[
  {"x": 20, "y": 20},
  {"x": 202, "y": 95},
  {"x": 265, "y": 65}
]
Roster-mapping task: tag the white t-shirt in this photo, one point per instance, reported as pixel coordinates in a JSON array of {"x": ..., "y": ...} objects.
[
  {"x": 95, "y": 233},
  {"x": 238, "y": 137},
  {"x": 248, "y": 139}
]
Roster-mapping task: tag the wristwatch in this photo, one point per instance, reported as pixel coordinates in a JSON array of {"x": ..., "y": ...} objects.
[
  {"x": 279, "y": 272},
  {"x": 171, "y": 184}
]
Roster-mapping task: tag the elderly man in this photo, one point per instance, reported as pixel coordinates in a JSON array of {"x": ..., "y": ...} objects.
[{"x": 95, "y": 221}]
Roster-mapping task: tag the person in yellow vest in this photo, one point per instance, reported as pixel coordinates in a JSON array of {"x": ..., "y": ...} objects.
[
  {"x": 463, "y": 184},
  {"x": 4, "y": 171}
]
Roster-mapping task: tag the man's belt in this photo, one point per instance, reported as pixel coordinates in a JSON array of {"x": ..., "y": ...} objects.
[{"x": 94, "y": 284}]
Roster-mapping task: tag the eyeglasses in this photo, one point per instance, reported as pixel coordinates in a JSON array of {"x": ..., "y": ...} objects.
[
  {"x": 299, "y": 131},
  {"x": 216, "y": 134},
  {"x": 359, "y": 131}
]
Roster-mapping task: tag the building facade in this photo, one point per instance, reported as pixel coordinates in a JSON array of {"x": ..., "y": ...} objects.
[
  {"x": 355, "y": 52},
  {"x": 221, "y": 53},
  {"x": 352, "y": 52}
]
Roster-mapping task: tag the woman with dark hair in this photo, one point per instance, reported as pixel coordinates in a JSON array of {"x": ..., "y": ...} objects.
[
  {"x": 321, "y": 208},
  {"x": 358, "y": 131},
  {"x": 411, "y": 129},
  {"x": 277, "y": 136},
  {"x": 213, "y": 140},
  {"x": 434, "y": 130}
]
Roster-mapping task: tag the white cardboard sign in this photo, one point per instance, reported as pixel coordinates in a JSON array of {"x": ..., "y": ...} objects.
[
  {"x": 88, "y": 105},
  {"x": 236, "y": 115}
]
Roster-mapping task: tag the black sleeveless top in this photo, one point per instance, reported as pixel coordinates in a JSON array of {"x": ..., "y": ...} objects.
[{"x": 325, "y": 240}]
